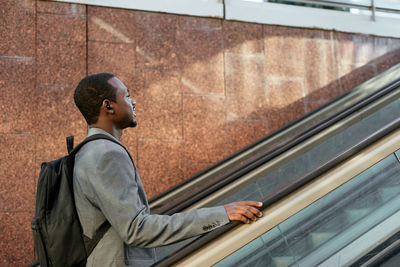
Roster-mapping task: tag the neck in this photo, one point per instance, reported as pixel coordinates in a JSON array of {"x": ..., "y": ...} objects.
[{"x": 117, "y": 133}]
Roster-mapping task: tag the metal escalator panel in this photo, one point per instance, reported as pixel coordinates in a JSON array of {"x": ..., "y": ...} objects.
[{"x": 325, "y": 222}]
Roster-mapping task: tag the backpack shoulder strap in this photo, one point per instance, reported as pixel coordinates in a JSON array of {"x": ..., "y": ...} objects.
[
  {"x": 70, "y": 143},
  {"x": 90, "y": 243}
]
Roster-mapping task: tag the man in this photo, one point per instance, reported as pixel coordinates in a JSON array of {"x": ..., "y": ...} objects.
[{"x": 107, "y": 186}]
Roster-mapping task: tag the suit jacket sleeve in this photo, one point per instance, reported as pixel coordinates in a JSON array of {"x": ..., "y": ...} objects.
[{"x": 117, "y": 191}]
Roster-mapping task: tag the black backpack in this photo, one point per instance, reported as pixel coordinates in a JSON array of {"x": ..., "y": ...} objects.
[{"x": 57, "y": 233}]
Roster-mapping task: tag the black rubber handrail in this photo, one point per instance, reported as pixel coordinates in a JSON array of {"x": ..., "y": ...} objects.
[
  {"x": 275, "y": 152},
  {"x": 282, "y": 192},
  {"x": 256, "y": 143}
]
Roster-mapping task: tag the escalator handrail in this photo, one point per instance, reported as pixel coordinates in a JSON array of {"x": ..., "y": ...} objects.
[
  {"x": 271, "y": 154},
  {"x": 280, "y": 130},
  {"x": 282, "y": 193}
]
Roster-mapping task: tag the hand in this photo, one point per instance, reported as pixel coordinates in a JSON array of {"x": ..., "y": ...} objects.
[{"x": 244, "y": 211}]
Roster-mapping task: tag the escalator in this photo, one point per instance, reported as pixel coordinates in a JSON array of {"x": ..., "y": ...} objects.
[
  {"x": 332, "y": 221},
  {"x": 291, "y": 162}
]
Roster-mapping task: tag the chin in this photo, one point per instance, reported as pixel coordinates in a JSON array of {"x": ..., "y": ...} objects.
[{"x": 133, "y": 124}]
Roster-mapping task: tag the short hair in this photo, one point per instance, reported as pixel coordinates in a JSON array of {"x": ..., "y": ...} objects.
[{"x": 90, "y": 93}]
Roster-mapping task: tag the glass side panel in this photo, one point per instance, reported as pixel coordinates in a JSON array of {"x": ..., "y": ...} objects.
[
  {"x": 272, "y": 180},
  {"x": 327, "y": 225}
]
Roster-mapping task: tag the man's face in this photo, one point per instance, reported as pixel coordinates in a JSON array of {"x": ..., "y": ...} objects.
[{"x": 124, "y": 108}]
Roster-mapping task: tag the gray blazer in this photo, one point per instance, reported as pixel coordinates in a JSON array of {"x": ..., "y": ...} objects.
[{"x": 107, "y": 187}]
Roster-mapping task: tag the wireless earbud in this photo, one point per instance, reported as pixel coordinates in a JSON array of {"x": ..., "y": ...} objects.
[{"x": 107, "y": 105}]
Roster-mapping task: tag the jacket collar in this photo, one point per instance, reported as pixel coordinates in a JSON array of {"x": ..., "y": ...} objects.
[{"x": 93, "y": 131}]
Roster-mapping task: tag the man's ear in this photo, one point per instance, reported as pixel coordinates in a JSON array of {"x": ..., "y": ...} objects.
[{"x": 108, "y": 106}]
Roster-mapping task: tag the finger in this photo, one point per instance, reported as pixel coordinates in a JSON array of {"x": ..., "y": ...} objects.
[
  {"x": 239, "y": 217},
  {"x": 250, "y": 203},
  {"x": 247, "y": 213},
  {"x": 255, "y": 211},
  {"x": 236, "y": 212},
  {"x": 252, "y": 209}
]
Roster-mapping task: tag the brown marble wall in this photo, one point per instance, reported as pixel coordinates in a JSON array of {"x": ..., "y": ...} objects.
[{"x": 204, "y": 89}]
